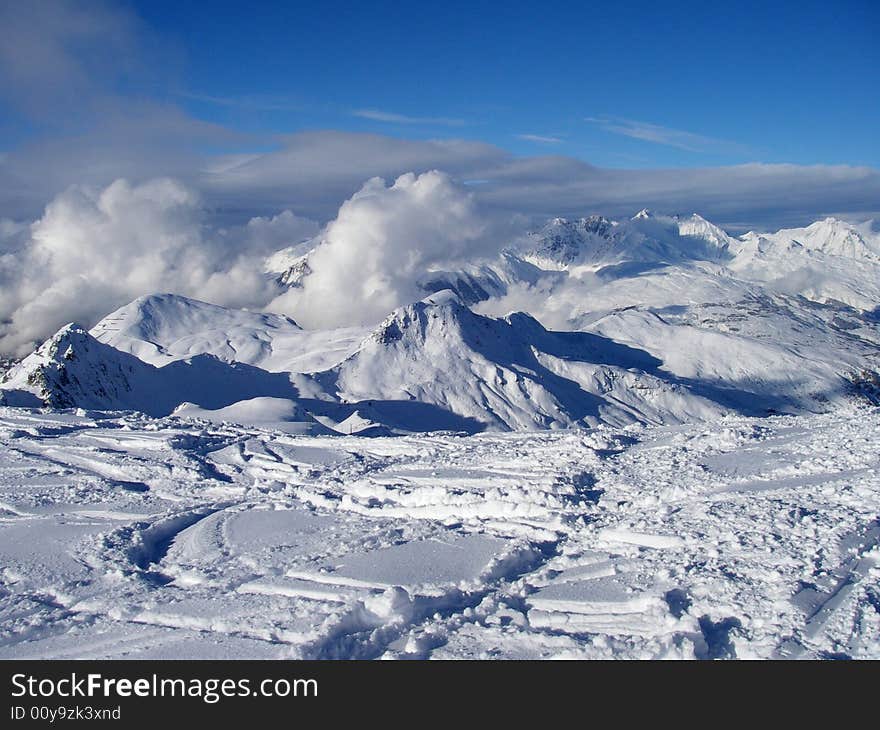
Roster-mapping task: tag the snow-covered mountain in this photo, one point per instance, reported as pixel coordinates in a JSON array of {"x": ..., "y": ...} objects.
[
  {"x": 595, "y": 241},
  {"x": 561, "y": 242},
  {"x": 692, "y": 518},
  {"x": 5, "y": 365},
  {"x": 162, "y": 328},
  {"x": 830, "y": 260},
  {"x": 830, "y": 236},
  {"x": 508, "y": 373},
  {"x": 431, "y": 365},
  {"x": 74, "y": 370},
  {"x": 784, "y": 353},
  {"x": 656, "y": 319},
  {"x": 289, "y": 270},
  {"x": 475, "y": 283}
]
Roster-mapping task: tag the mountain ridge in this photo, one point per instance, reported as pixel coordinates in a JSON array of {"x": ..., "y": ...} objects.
[{"x": 661, "y": 320}]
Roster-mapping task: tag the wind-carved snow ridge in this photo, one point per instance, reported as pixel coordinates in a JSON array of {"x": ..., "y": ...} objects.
[{"x": 644, "y": 438}]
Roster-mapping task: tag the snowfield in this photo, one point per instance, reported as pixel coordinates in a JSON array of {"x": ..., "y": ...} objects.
[{"x": 131, "y": 537}]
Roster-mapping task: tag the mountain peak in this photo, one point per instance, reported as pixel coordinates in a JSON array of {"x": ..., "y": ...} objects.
[
  {"x": 829, "y": 236},
  {"x": 71, "y": 342},
  {"x": 72, "y": 368},
  {"x": 511, "y": 373},
  {"x": 444, "y": 296},
  {"x": 598, "y": 241},
  {"x": 442, "y": 311},
  {"x": 160, "y": 328}
]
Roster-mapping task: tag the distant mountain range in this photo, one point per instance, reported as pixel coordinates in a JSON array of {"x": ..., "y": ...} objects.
[{"x": 655, "y": 319}]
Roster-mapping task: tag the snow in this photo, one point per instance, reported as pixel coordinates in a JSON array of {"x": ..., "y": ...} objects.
[
  {"x": 829, "y": 260},
  {"x": 562, "y": 243},
  {"x": 438, "y": 365},
  {"x": 75, "y": 370},
  {"x": 747, "y": 538},
  {"x": 502, "y": 374},
  {"x": 620, "y": 439},
  {"x": 164, "y": 328},
  {"x": 649, "y": 320}
]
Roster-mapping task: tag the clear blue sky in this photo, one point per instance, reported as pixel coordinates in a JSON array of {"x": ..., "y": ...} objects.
[{"x": 623, "y": 84}]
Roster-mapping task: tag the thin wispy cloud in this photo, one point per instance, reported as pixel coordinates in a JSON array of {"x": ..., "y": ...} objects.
[
  {"x": 378, "y": 115},
  {"x": 648, "y": 132},
  {"x": 539, "y": 138},
  {"x": 259, "y": 103}
]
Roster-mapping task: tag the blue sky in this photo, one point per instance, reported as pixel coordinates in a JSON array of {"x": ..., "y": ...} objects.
[
  {"x": 753, "y": 114},
  {"x": 624, "y": 84}
]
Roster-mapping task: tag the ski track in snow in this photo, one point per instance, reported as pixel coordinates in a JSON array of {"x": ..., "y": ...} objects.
[{"x": 130, "y": 537}]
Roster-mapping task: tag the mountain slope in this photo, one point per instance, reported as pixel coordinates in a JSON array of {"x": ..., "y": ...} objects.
[
  {"x": 596, "y": 241},
  {"x": 660, "y": 319},
  {"x": 829, "y": 260},
  {"x": 75, "y": 370},
  {"x": 830, "y": 236},
  {"x": 783, "y": 353},
  {"x": 162, "y": 328},
  {"x": 507, "y": 373},
  {"x": 72, "y": 369}
]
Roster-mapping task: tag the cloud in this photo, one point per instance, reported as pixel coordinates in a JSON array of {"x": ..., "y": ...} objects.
[
  {"x": 539, "y": 138},
  {"x": 136, "y": 139},
  {"x": 253, "y": 102},
  {"x": 738, "y": 197},
  {"x": 377, "y": 115},
  {"x": 554, "y": 301},
  {"x": 116, "y": 191},
  {"x": 78, "y": 86},
  {"x": 648, "y": 132},
  {"x": 12, "y": 233},
  {"x": 383, "y": 239},
  {"x": 65, "y": 56},
  {"x": 315, "y": 171},
  {"x": 86, "y": 76},
  {"x": 94, "y": 250},
  {"x": 270, "y": 234}
]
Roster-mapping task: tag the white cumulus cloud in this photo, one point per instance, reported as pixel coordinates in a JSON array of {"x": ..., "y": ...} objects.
[
  {"x": 382, "y": 240},
  {"x": 93, "y": 250}
]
